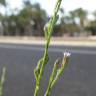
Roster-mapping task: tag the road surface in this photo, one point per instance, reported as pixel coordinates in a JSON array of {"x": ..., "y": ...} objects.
[{"x": 79, "y": 79}]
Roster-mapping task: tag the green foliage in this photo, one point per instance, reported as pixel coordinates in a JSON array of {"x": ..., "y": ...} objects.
[
  {"x": 94, "y": 14},
  {"x": 80, "y": 14},
  {"x": 57, "y": 71},
  {"x": 91, "y": 27},
  {"x": 32, "y": 18},
  {"x": 1, "y": 17},
  {"x": 3, "y": 2},
  {"x": 2, "y": 81}
]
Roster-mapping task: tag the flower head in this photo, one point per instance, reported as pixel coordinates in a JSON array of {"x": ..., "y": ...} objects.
[
  {"x": 65, "y": 58},
  {"x": 67, "y": 54}
]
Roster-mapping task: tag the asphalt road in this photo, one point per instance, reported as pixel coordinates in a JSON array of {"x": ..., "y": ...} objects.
[{"x": 79, "y": 79}]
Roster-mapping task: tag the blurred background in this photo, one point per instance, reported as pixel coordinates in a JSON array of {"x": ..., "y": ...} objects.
[
  {"x": 28, "y": 17},
  {"x": 22, "y": 45}
]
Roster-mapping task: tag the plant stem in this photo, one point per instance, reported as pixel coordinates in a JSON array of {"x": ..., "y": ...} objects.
[
  {"x": 52, "y": 77},
  {"x": 2, "y": 81},
  {"x": 56, "y": 72},
  {"x": 52, "y": 22}
]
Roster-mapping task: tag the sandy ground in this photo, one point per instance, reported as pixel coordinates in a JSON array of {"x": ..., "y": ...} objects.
[{"x": 76, "y": 41}]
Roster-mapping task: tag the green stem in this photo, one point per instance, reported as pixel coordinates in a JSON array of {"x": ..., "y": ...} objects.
[
  {"x": 52, "y": 77},
  {"x": 36, "y": 90},
  {"x": 45, "y": 57},
  {"x": 2, "y": 81},
  {"x": 42, "y": 69}
]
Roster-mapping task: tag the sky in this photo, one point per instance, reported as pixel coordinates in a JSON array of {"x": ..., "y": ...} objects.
[{"x": 49, "y": 5}]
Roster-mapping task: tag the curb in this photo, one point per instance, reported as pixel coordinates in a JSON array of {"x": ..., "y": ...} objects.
[{"x": 54, "y": 41}]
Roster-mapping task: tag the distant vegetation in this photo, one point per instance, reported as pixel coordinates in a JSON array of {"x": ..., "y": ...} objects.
[{"x": 30, "y": 20}]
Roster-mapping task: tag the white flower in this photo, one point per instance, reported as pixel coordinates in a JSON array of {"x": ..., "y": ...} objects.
[
  {"x": 65, "y": 59},
  {"x": 67, "y": 54}
]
